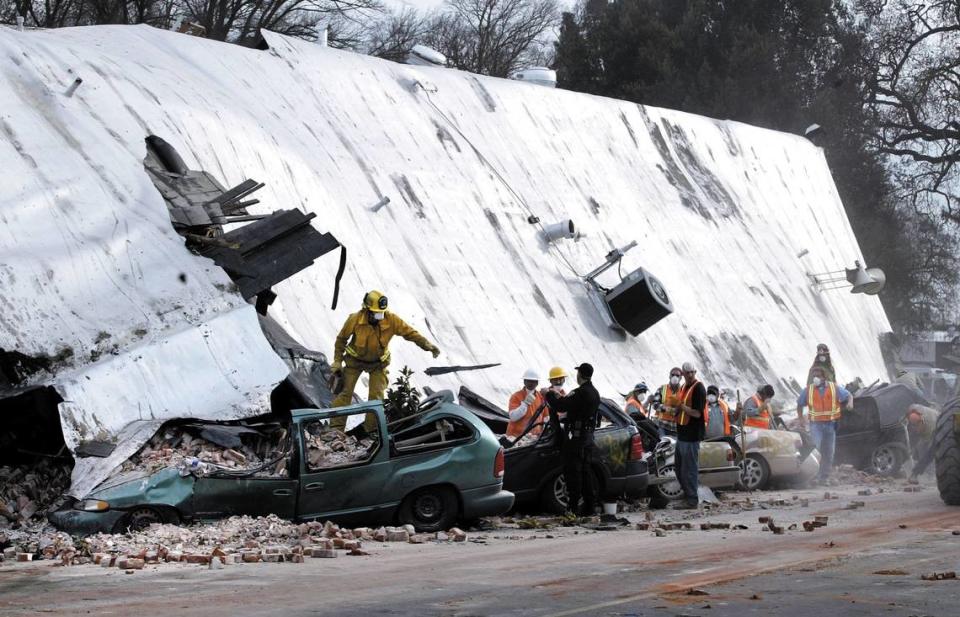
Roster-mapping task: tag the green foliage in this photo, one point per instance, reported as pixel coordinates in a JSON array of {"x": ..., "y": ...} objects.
[
  {"x": 402, "y": 399},
  {"x": 780, "y": 64}
]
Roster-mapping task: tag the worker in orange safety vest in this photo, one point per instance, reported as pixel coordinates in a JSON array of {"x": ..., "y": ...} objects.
[
  {"x": 635, "y": 407},
  {"x": 716, "y": 416},
  {"x": 823, "y": 399},
  {"x": 524, "y": 405},
  {"x": 670, "y": 397},
  {"x": 756, "y": 409}
]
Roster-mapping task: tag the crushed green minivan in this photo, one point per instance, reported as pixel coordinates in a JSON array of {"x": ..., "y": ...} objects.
[{"x": 430, "y": 469}]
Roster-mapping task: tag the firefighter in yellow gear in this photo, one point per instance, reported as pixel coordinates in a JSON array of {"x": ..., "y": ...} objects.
[{"x": 363, "y": 347}]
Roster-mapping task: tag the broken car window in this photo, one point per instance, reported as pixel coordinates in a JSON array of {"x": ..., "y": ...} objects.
[
  {"x": 206, "y": 449},
  {"x": 442, "y": 432},
  {"x": 328, "y": 447}
]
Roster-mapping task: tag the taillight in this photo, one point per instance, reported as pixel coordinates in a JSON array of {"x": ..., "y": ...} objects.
[
  {"x": 636, "y": 448},
  {"x": 498, "y": 464},
  {"x": 731, "y": 455}
]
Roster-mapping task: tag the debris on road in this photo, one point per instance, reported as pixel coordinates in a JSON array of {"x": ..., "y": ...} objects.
[
  {"x": 939, "y": 576},
  {"x": 235, "y": 540},
  {"x": 891, "y": 572}
]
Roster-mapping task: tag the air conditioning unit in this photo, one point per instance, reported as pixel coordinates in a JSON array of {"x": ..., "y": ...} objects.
[{"x": 636, "y": 303}]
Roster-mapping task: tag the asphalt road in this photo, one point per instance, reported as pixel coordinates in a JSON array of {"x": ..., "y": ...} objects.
[{"x": 831, "y": 571}]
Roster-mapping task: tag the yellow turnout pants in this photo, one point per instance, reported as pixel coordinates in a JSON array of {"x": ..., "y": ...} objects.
[{"x": 352, "y": 370}]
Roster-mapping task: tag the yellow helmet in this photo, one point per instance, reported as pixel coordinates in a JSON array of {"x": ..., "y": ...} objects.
[
  {"x": 375, "y": 302},
  {"x": 557, "y": 372}
]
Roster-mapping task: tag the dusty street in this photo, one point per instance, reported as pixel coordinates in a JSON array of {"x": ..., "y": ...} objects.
[{"x": 570, "y": 571}]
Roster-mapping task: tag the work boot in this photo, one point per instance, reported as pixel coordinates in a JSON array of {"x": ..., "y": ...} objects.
[{"x": 687, "y": 506}]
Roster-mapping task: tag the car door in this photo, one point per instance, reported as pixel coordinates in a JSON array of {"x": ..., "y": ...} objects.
[
  {"x": 218, "y": 497},
  {"x": 340, "y": 488}
]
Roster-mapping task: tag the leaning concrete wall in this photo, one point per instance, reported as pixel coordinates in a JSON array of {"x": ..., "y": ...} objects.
[{"x": 720, "y": 210}]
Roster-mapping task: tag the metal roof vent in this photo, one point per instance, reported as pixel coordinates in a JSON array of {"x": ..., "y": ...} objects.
[
  {"x": 540, "y": 75},
  {"x": 421, "y": 55}
]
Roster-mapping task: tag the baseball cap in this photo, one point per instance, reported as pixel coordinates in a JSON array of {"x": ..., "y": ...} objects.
[{"x": 585, "y": 369}]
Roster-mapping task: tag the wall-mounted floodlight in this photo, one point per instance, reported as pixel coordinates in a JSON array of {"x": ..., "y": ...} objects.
[
  {"x": 860, "y": 280},
  {"x": 559, "y": 231}
]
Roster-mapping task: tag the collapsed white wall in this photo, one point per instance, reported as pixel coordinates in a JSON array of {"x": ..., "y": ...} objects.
[{"x": 720, "y": 210}]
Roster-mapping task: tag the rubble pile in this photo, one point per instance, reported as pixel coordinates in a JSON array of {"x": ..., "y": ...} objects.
[
  {"x": 238, "y": 539},
  {"x": 28, "y": 492},
  {"x": 179, "y": 447},
  {"x": 332, "y": 448}
]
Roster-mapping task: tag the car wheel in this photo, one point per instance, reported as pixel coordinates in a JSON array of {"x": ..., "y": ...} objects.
[
  {"x": 434, "y": 508},
  {"x": 886, "y": 459},
  {"x": 754, "y": 473},
  {"x": 554, "y": 497},
  {"x": 657, "y": 501},
  {"x": 668, "y": 491},
  {"x": 139, "y": 519}
]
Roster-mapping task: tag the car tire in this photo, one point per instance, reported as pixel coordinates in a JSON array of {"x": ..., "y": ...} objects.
[
  {"x": 668, "y": 491},
  {"x": 947, "y": 452},
  {"x": 553, "y": 495},
  {"x": 754, "y": 473},
  {"x": 657, "y": 501},
  {"x": 886, "y": 459},
  {"x": 429, "y": 509},
  {"x": 140, "y": 518}
]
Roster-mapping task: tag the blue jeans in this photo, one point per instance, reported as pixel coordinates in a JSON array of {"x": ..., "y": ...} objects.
[
  {"x": 686, "y": 462},
  {"x": 825, "y": 438}
]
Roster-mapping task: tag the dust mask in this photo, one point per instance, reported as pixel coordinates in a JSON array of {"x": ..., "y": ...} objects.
[
  {"x": 712, "y": 398},
  {"x": 817, "y": 381},
  {"x": 822, "y": 358},
  {"x": 379, "y": 316},
  {"x": 674, "y": 380}
]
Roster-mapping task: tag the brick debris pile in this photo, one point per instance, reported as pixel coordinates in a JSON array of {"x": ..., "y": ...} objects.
[
  {"x": 236, "y": 540},
  {"x": 332, "y": 448},
  {"x": 181, "y": 447},
  {"x": 27, "y": 492}
]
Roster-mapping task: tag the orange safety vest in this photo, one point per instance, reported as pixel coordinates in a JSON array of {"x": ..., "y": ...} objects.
[
  {"x": 760, "y": 421},
  {"x": 636, "y": 403},
  {"x": 823, "y": 407},
  {"x": 686, "y": 392},
  {"x": 726, "y": 416},
  {"x": 515, "y": 428},
  {"x": 668, "y": 398}
]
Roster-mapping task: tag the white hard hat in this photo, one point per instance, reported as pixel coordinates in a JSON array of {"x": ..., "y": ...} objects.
[{"x": 531, "y": 375}]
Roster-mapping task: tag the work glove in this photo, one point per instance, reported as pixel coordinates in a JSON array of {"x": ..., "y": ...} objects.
[
  {"x": 530, "y": 396},
  {"x": 435, "y": 351},
  {"x": 336, "y": 369}
]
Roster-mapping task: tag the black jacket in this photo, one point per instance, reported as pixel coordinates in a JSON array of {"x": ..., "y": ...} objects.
[{"x": 581, "y": 407}]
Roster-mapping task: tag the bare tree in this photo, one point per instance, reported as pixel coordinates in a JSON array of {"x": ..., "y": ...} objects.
[
  {"x": 916, "y": 93},
  {"x": 493, "y": 37},
  {"x": 393, "y": 36}
]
